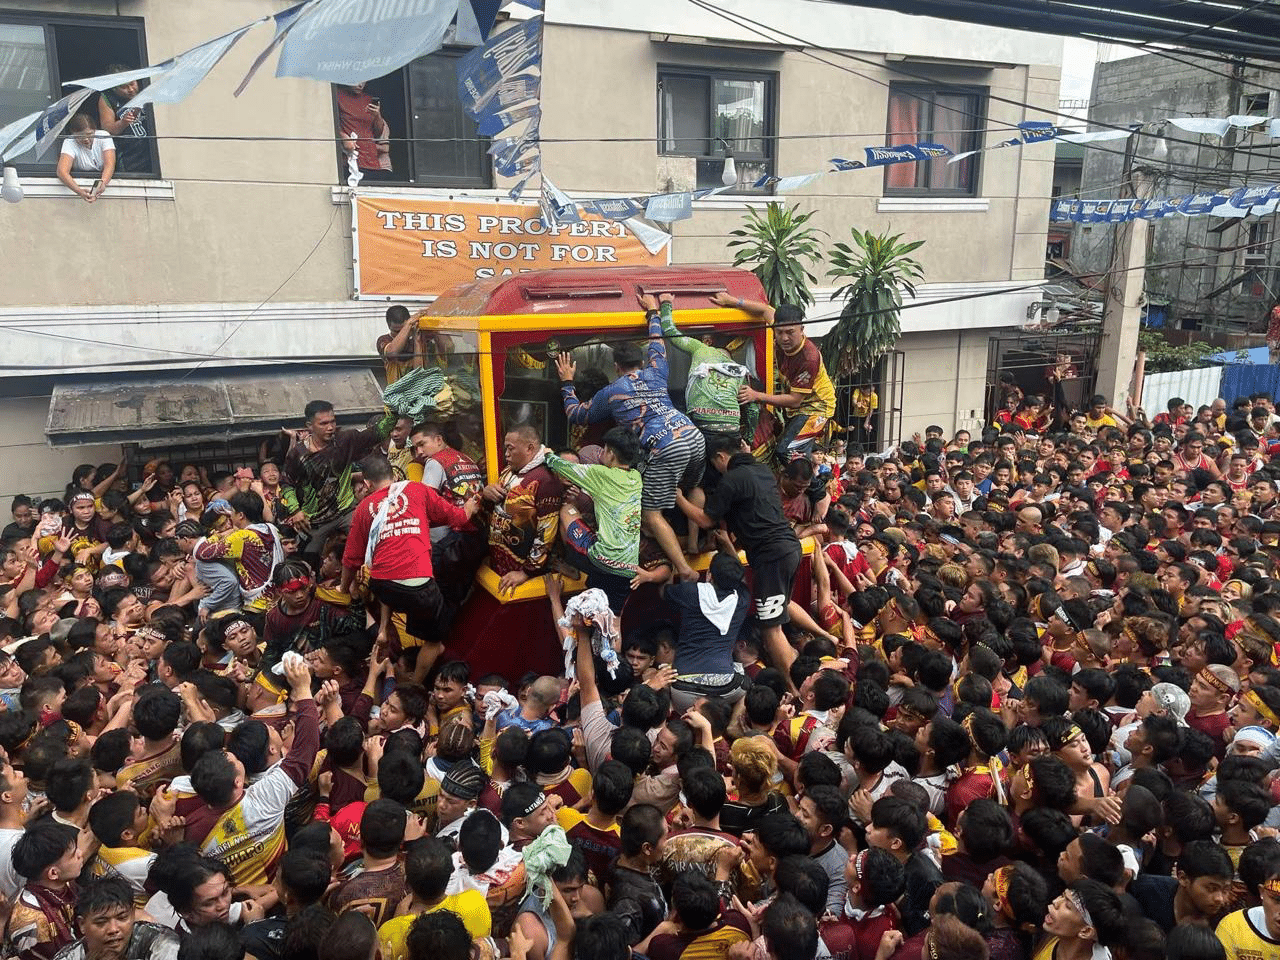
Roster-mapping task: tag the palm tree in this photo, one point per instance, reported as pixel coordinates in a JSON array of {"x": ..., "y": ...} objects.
[
  {"x": 776, "y": 246},
  {"x": 879, "y": 272}
]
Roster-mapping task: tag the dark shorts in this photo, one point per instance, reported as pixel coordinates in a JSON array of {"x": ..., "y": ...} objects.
[
  {"x": 422, "y": 606},
  {"x": 772, "y": 583},
  {"x": 579, "y": 536},
  {"x": 616, "y": 587}
]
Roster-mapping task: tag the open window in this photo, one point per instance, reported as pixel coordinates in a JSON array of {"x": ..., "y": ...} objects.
[
  {"x": 409, "y": 128},
  {"x": 39, "y": 53},
  {"x": 700, "y": 111}
]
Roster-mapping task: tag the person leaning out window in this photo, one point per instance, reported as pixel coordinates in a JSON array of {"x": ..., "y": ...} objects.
[{"x": 86, "y": 149}]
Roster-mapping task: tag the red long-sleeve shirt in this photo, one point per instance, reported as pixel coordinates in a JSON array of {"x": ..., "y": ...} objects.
[{"x": 403, "y": 549}]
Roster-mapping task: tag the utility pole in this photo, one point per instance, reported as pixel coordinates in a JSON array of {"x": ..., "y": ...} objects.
[{"x": 1126, "y": 277}]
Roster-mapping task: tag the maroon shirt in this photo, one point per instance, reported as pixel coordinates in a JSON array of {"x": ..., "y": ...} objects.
[{"x": 1213, "y": 726}]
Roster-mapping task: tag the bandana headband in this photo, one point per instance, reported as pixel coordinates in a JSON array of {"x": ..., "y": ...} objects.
[
  {"x": 1077, "y": 901},
  {"x": 859, "y": 863},
  {"x": 533, "y": 805},
  {"x": 1264, "y": 711},
  {"x": 1002, "y": 878},
  {"x": 1272, "y": 885},
  {"x": 297, "y": 583},
  {"x": 82, "y": 495},
  {"x": 1213, "y": 680}
]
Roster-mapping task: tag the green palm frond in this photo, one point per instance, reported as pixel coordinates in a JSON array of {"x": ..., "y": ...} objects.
[
  {"x": 778, "y": 246},
  {"x": 879, "y": 272}
]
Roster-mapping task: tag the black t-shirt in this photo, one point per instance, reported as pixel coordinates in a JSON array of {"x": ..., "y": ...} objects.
[
  {"x": 264, "y": 939},
  {"x": 737, "y": 818},
  {"x": 702, "y": 648},
  {"x": 747, "y": 498},
  {"x": 1155, "y": 895},
  {"x": 133, "y": 148}
]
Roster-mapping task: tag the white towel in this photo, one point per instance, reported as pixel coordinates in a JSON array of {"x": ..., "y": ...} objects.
[{"x": 718, "y": 611}]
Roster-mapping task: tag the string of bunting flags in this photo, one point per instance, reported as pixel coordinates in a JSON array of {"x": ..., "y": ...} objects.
[
  {"x": 500, "y": 85},
  {"x": 333, "y": 41},
  {"x": 669, "y": 207},
  {"x": 1258, "y": 200}
]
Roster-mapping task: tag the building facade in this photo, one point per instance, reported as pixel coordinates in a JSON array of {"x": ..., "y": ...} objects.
[
  {"x": 229, "y": 245},
  {"x": 1205, "y": 273}
]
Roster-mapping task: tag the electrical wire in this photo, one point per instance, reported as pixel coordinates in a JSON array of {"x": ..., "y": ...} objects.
[
  {"x": 330, "y": 360},
  {"x": 800, "y": 45},
  {"x": 305, "y": 260}
]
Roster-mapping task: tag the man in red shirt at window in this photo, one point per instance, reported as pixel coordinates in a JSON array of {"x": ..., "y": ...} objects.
[{"x": 391, "y": 534}]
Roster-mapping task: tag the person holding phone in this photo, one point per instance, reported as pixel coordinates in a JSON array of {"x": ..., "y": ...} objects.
[
  {"x": 86, "y": 148},
  {"x": 362, "y": 128},
  {"x": 128, "y": 125}
]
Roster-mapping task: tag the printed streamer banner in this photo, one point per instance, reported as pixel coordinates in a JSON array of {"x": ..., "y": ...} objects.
[
  {"x": 414, "y": 248},
  {"x": 1257, "y": 199},
  {"x": 284, "y": 22},
  {"x": 12, "y": 131},
  {"x": 351, "y": 41},
  {"x": 500, "y": 85},
  {"x": 670, "y": 207},
  {"x": 109, "y": 80},
  {"x": 48, "y": 125},
  {"x": 175, "y": 79}
]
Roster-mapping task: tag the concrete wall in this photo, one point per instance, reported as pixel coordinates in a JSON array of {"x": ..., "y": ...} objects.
[
  {"x": 944, "y": 380},
  {"x": 1149, "y": 89},
  {"x": 27, "y": 464},
  {"x": 999, "y": 237},
  {"x": 243, "y": 215}
]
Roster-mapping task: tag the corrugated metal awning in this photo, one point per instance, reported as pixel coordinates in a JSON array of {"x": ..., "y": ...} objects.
[{"x": 152, "y": 410}]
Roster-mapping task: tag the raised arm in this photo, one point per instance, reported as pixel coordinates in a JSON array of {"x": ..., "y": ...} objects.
[
  {"x": 761, "y": 311},
  {"x": 575, "y": 411},
  {"x": 116, "y": 474},
  {"x": 671, "y": 331},
  {"x": 657, "y": 350}
]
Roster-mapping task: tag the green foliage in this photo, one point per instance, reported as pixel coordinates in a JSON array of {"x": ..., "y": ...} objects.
[
  {"x": 879, "y": 273},
  {"x": 776, "y": 245},
  {"x": 1162, "y": 356}
]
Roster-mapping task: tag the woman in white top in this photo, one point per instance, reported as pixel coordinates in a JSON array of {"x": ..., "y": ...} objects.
[{"x": 86, "y": 148}]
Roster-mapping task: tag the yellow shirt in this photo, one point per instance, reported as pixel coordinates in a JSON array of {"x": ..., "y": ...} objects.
[
  {"x": 424, "y": 804},
  {"x": 1106, "y": 420},
  {"x": 1244, "y": 936},
  {"x": 1046, "y": 950},
  {"x": 469, "y": 905}
]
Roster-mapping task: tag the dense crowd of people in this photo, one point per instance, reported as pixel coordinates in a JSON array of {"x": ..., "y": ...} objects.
[{"x": 1013, "y": 696}]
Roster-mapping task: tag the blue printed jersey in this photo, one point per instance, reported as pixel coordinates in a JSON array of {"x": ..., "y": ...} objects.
[{"x": 638, "y": 400}]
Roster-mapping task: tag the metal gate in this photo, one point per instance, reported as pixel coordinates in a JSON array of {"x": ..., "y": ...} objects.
[
  {"x": 886, "y": 424},
  {"x": 1026, "y": 356}
]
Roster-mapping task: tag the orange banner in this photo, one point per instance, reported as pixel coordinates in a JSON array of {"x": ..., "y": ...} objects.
[{"x": 410, "y": 248}]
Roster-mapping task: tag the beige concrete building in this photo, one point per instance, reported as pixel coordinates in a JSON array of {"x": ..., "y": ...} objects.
[{"x": 231, "y": 246}]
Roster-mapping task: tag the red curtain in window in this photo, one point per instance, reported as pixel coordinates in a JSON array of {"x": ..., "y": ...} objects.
[
  {"x": 904, "y": 127},
  {"x": 953, "y": 123}
]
